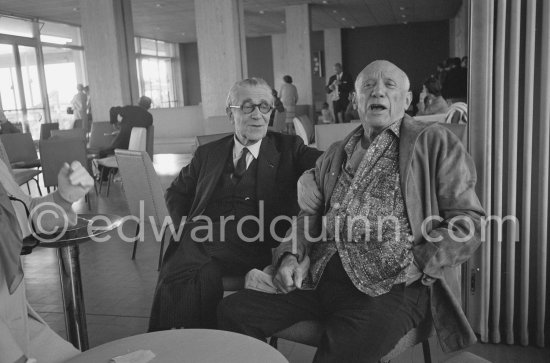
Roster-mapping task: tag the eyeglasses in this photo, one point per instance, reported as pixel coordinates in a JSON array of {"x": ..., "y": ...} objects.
[{"x": 248, "y": 107}]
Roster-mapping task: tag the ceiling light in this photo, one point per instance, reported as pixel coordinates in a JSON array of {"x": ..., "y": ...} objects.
[
  {"x": 262, "y": 12},
  {"x": 401, "y": 8},
  {"x": 343, "y": 19}
]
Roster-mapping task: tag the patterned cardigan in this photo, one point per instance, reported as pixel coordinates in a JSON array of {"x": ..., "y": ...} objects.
[{"x": 432, "y": 163}]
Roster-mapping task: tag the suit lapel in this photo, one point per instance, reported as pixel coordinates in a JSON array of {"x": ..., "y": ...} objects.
[
  {"x": 214, "y": 165},
  {"x": 268, "y": 164}
]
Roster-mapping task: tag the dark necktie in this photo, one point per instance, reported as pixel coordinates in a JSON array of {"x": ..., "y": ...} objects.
[{"x": 241, "y": 164}]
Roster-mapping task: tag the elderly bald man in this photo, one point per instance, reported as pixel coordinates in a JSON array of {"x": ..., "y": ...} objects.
[{"x": 376, "y": 268}]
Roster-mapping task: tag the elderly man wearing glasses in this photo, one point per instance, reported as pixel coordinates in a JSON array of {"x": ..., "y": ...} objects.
[{"x": 228, "y": 197}]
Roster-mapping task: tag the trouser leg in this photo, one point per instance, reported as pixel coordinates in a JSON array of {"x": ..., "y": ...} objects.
[
  {"x": 260, "y": 314},
  {"x": 190, "y": 282},
  {"x": 361, "y": 328}
]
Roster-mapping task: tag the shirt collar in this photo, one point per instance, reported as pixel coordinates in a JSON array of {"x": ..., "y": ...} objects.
[{"x": 238, "y": 148}]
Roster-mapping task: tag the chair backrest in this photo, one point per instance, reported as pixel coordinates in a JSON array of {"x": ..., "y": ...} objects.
[
  {"x": 150, "y": 142},
  {"x": 69, "y": 134},
  {"x": 457, "y": 114},
  {"x": 45, "y": 130},
  {"x": 308, "y": 127},
  {"x": 56, "y": 151},
  {"x": 327, "y": 134},
  {"x": 101, "y": 135},
  {"x": 19, "y": 147},
  {"x": 300, "y": 130},
  {"x": 138, "y": 139},
  {"x": 460, "y": 130},
  {"x": 4, "y": 157},
  {"x": 142, "y": 185}
]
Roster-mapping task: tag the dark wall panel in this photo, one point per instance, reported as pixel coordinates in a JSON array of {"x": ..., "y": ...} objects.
[
  {"x": 260, "y": 58},
  {"x": 415, "y": 47},
  {"x": 189, "y": 55}
]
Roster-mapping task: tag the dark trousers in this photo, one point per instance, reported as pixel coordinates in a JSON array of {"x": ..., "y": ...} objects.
[
  {"x": 340, "y": 107},
  {"x": 190, "y": 281},
  {"x": 358, "y": 328}
]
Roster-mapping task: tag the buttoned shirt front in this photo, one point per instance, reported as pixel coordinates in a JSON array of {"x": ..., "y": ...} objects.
[{"x": 238, "y": 151}]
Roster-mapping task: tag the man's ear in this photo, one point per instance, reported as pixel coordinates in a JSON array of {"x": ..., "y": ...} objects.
[
  {"x": 408, "y": 100},
  {"x": 229, "y": 113}
]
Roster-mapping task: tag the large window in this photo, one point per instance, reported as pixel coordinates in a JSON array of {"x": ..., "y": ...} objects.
[{"x": 159, "y": 72}]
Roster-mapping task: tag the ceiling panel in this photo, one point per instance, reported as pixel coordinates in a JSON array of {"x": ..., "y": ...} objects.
[{"x": 173, "y": 20}]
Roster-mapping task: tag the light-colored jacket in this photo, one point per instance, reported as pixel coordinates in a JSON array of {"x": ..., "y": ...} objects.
[{"x": 432, "y": 163}]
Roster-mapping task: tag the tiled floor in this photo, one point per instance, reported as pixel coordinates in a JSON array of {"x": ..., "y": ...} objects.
[{"x": 118, "y": 293}]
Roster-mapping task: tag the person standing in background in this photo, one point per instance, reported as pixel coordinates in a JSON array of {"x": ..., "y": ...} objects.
[
  {"x": 289, "y": 98},
  {"x": 79, "y": 104},
  {"x": 339, "y": 86}
]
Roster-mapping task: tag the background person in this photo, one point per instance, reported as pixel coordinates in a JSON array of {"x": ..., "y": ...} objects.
[
  {"x": 431, "y": 101},
  {"x": 289, "y": 98},
  {"x": 339, "y": 86},
  {"x": 131, "y": 116}
]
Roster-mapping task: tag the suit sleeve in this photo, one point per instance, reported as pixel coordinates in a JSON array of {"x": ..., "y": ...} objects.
[
  {"x": 181, "y": 193},
  {"x": 306, "y": 156},
  {"x": 458, "y": 233}
]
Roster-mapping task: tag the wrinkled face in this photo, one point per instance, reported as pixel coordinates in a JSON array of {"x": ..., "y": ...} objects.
[
  {"x": 251, "y": 127},
  {"x": 382, "y": 94}
]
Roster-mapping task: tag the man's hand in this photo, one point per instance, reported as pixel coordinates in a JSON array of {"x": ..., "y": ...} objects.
[
  {"x": 290, "y": 274},
  {"x": 73, "y": 182},
  {"x": 310, "y": 198}
]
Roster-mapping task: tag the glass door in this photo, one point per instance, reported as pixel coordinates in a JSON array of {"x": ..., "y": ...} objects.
[{"x": 20, "y": 90}]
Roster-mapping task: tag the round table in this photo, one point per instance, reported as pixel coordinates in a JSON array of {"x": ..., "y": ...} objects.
[{"x": 187, "y": 345}]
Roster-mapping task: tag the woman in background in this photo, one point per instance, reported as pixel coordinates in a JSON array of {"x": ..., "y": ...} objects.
[{"x": 289, "y": 98}]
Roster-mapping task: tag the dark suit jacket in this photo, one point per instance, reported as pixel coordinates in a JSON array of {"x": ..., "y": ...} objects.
[
  {"x": 345, "y": 87},
  {"x": 132, "y": 116},
  {"x": 281, "y": 161}
]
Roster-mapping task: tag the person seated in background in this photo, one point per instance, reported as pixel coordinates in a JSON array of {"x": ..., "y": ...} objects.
[
  {"x": 380, "y": 262},
  {"x": 431, "y": 101},
  {"x": 250, "y": 174},
  {"x": 7, "y": 127},
  {"x": 23, "y": 334},
  {"x": 351, "y": 111},
  {"x": 131, "y": 116},
  {"x": 326, "y": 115}
]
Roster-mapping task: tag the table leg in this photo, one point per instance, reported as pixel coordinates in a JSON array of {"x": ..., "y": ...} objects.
[{"x": 73, "y": 299}]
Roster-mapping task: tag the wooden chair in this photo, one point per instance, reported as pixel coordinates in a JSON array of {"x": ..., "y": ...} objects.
[
  {"x": 21, "y": 176},
  {"x": 109, "y": 165},
  {"x": 69, "y": 134},
  {"x": 55, "y": 152},
  {"x": 21, "y": 150},
  {"x": 45, "y": 130},
  {"x": 300, "y": 130},
  {"x": 142, "y": 187}
]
